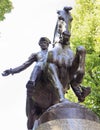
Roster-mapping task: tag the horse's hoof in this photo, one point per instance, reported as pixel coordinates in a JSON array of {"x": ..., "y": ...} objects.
[
  {"x": 82, "y": 99},
  {"x": 62, "y": 99},
  {"x": 86, "y": 91}
]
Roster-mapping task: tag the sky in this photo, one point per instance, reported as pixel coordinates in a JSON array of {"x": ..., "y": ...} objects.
[{"x": 19, "y": 36}]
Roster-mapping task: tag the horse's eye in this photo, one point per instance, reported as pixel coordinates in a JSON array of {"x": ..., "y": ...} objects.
[{"x": 61, "y": 18}]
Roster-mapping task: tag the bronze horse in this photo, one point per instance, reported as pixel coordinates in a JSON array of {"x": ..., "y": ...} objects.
[{"x": 62, "y": 69}]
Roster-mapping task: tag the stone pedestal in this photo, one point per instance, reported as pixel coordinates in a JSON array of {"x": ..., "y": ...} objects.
[{"x": 68, "y": 116}]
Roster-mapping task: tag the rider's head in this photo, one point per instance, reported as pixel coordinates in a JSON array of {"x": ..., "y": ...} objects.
[{"x": 44, "y": 42}]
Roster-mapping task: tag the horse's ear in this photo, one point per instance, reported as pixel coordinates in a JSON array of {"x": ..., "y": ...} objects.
[
  {"x": 67, "y": 8},
  {"x": 58, "y": 12}
]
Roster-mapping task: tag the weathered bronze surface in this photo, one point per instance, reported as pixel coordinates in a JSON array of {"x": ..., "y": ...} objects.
[{"x": 55, "y": 72}]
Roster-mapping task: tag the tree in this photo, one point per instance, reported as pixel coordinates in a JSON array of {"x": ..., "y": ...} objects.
[
  {"x": 5, "y": 7},
  {"x": 86, "y": 32}
]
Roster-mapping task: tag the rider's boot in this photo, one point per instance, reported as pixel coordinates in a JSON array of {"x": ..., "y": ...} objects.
[{"x": 36, "y": 75}]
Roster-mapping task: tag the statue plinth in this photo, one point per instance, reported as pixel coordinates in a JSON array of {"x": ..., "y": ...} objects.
[{"x": 68, "y": 116}]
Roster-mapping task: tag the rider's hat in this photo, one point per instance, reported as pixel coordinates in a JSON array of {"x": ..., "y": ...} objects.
[{"x": 44, "y": 39}]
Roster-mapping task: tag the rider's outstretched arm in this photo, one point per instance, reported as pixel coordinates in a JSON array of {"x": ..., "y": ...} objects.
[{"x": 22, "y": 67}]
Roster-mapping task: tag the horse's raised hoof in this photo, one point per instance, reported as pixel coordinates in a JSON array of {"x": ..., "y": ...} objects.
[
  {"x": 81, "y": 99},
  {"x": 85, "y": 91}
]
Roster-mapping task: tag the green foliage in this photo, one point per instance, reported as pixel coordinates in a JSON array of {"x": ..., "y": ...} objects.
[
  {"x": 5, "y": 7},
  {"x": 92, "y": 78},
  {"x": 86, "y": 32},
  {"x": 86, "y": 29},
  {"x": 70, "y": 95}
]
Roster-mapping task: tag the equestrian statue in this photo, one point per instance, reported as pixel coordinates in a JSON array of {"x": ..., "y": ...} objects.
[{"x": 55, "y": 71}]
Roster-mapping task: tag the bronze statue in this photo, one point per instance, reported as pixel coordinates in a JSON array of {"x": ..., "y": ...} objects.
[{"x": 55, "y": 72}]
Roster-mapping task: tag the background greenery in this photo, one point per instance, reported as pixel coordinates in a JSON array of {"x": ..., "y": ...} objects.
[
  {"x": 5, "y": 7},
  {"x": 86, "y": 32}
]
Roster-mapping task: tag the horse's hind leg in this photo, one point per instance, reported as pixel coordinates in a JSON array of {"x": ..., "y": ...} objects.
[
  {"x": 35, "y": 125},
  {"x": 78, "y": 70}
]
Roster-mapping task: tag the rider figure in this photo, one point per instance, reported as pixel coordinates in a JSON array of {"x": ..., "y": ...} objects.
[{"x": 38, "y": 57}]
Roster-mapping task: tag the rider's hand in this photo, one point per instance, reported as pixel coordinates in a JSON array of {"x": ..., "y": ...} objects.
[{"x": 6, "y": 72}]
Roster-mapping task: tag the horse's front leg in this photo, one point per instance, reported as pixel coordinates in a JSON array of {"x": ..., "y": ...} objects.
[
  {"x": 77, "y": 74},
  {"x": 78, "y": 64}
]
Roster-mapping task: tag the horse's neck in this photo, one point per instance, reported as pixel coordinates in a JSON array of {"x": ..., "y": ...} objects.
[{"x": 63, "y": 46}]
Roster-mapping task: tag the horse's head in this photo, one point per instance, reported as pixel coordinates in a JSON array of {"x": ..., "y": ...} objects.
[
  {"x": 63, "y": 23},
  {"x": 65, "y": 16}
]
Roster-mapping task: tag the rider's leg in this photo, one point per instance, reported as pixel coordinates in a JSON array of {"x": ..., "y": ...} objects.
[
  {"x": 53, "y": 76},
  {"x": 35, "y": 76}
]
